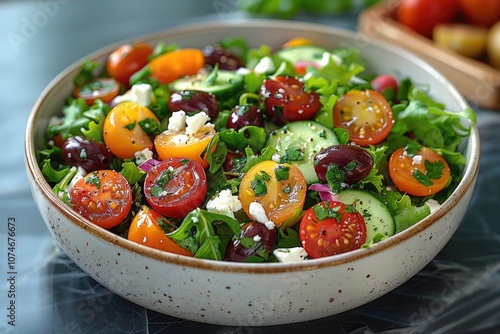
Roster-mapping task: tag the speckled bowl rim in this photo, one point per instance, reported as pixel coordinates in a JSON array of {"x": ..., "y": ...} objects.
[{"x": 468, "y": 180}]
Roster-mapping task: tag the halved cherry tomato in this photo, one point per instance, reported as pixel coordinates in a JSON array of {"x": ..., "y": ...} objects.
[
  {"x": 423, "y": 15},
  {"x": 286, "y": 101},
  {"x": 175, "y": 64},
  {"x": 279, "y": 188},
  {"x": 175, "y": 187},
  {"x": 330, "y": 228},
  {"x": 105, "y": 89},
  {"x": 121, "y": 130},
  {"x": 422, "y": 173},
  {"x": 175, "y": 144},
  {"x": 366, "y": 115},
  {"x": 145, "y": 230},
  {"x": 126, "y": 60},
  {"x": 104, "y": 197},
  {"x": 302, "y": 65}
]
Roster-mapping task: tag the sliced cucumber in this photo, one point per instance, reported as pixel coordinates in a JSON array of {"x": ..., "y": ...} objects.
[
  {"x": 226, "y": 85},
  {"x": 295, "y": 54},
  {"x": 377, "y": 216},
  {"x": 306, "y": 138}
]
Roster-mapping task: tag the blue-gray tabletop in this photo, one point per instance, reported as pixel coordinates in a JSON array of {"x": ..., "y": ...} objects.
[{"x": 458, "y": 292}]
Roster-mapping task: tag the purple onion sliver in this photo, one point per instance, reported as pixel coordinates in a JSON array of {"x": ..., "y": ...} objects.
[
  {"x": 324, "y": 191},
  {"x": 148, "y": 165}
]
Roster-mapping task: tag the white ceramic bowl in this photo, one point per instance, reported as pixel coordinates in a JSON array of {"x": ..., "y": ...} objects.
[{"x": 243, "y": 294}]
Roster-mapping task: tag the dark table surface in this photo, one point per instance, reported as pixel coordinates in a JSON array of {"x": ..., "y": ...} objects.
[{"x": 458, "y": 292}]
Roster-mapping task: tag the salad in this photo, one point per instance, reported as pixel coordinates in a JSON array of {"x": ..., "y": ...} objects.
[{"x": 245, "y": 154}]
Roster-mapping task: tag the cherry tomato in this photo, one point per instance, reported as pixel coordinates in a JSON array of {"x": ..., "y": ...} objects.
[
  {"x": 175, "y": 64},
  {"x": 105, "y": 89},
  {"x": 145, "y": 230},
  {"x": 279, "y": 188},
  {"x": 480, "y": 12},
  {"x": 467, "y": 39},
  {"x": 384, "y": 83},
  {"x": 302, "y": 65},
  {"x": 423, "y": 15},
  {"x": 286, "y": 101},
  {"x": 422, "y": 173},
  {"x": 493, "y": 45},
  {"x": 126, "y": 60},
  {"x": 255, "y": 240},
  {"x": 297, "y": 41},
  {"x": 175, "y": 187},
  {"x": 174, "y": 144},
  {"x": 104, "y": 197},
  {"x": 366, "y": 115},
  {"x": 121, "y": 131},
  {"x": 330, "y": 228}
]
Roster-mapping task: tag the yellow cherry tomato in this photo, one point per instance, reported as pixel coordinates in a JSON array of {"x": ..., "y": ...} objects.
[
  {"x": 297, "y": 41},
  {"x": 121, "y": 130},
  {"x": 279, "y": 188},
  {"x": 175, "y": 144}
]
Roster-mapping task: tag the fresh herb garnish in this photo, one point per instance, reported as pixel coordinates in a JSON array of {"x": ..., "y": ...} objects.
[
  {"x": 94, "y": 179},
  {"x": 258, "y": 184},
  {"x": 324, "y": 211},
  {"x": 282, "y": 172}
]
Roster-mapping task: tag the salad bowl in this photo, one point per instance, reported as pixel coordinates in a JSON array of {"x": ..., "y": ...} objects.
[{"x": 253, "y": 294}]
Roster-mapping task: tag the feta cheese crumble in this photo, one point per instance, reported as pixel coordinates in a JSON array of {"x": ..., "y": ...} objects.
[
  {"x": 224, "y": 203},
  {"x": 142, "y": 156},
  {"x": 293, "y": 254},
  {"x": 140, "y": 93},
  {"x": 258, "y": 213}
]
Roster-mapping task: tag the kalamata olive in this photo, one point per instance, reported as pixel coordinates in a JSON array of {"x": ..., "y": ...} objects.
[
  {"x": 243, "y": 115},
  {"x": 192, "y": 101},
  {"x": 353, "y": 161},
  {"x": 215, "y": 54},
  {"x": 255, "y": 239},
  {"x": 87, "y": 153}
]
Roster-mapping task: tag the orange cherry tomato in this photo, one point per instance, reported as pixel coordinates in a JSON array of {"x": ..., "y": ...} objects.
[
  {"x": 422, "y": 173},
  {"x": 330, "y": 228},
  {"x": 175, "y": 187},
  {"x": 174, "y": 144},
  {"x": 104, "y": 197},
  {"x": 279, "y": 188},
  {"x": 366, "y": 115},
  {"x": 145, "y": 230},
  {"x": 105, "y": 89},
  {"x": 297, "y": 41},
  {"x": 121, "y": 130},
  {"x": 126, "y": 60},
  {"x": 175, "y": 64}
]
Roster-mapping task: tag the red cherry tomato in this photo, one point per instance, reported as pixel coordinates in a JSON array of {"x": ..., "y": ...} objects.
[
  {"x": 175, "y": 187},
  {"x": 480, "y": 12},
  {"x": 286, "y": 101},
  {"x": 104, "y": 197},
  {"x": 366, "y": 115},
  {"x": 385, "y": 84},
  {"x": 145, "y": 230},
  {"x": 126, "y": 60},
  {"x": 423, "y": 15},
  {"x": 330, "y": 228},
  {"x": 105, "y": 89}
]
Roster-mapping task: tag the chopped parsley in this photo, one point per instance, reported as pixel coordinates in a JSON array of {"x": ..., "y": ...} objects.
[
  {"x": 434, "y": 170},
  {"x": 94, "y": 179},
  {"x": 335, "y": 178},
  {"x": 258, "y": 184},
  {"x": 292, "y": 154},
  {"x": 161, "y": 181},
  {"x": 323, "y": 211},
  {"x": 150, "y": 126},
  {"x": 282, "y": 172},
  {"x": 412, "y": 149},
  {"x": 130, "y": 126}
]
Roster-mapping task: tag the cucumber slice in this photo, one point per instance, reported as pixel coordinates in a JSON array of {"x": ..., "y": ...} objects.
[
  {"x": 226, "y": 85},
  {"x": 306, "y": 138},
  {"x": 296, "y": 54},
  {"x": 377, "y": 216}
]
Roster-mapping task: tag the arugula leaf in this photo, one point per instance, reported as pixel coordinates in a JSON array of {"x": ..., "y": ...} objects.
[
  {"x": 60, "y": 188},
  {"x": 132, "y": 173},
  {"x": 204, "y": 242},
  {"x": 248, "y": 136},
  {"x": 86, "y": 73},
  {"x": 53, "y": 175}
]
